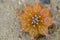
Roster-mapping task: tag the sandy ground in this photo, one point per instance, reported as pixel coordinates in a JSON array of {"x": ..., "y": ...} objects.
[
  {"x": 8, "y": 28},
  {"x": 9, "y": 25}
]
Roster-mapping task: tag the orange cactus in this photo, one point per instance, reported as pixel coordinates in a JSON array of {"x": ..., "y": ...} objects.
[{"x": 36, "y": 20}]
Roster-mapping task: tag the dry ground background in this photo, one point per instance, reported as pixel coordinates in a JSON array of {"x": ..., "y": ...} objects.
[{"x": 9, "y": 25}]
